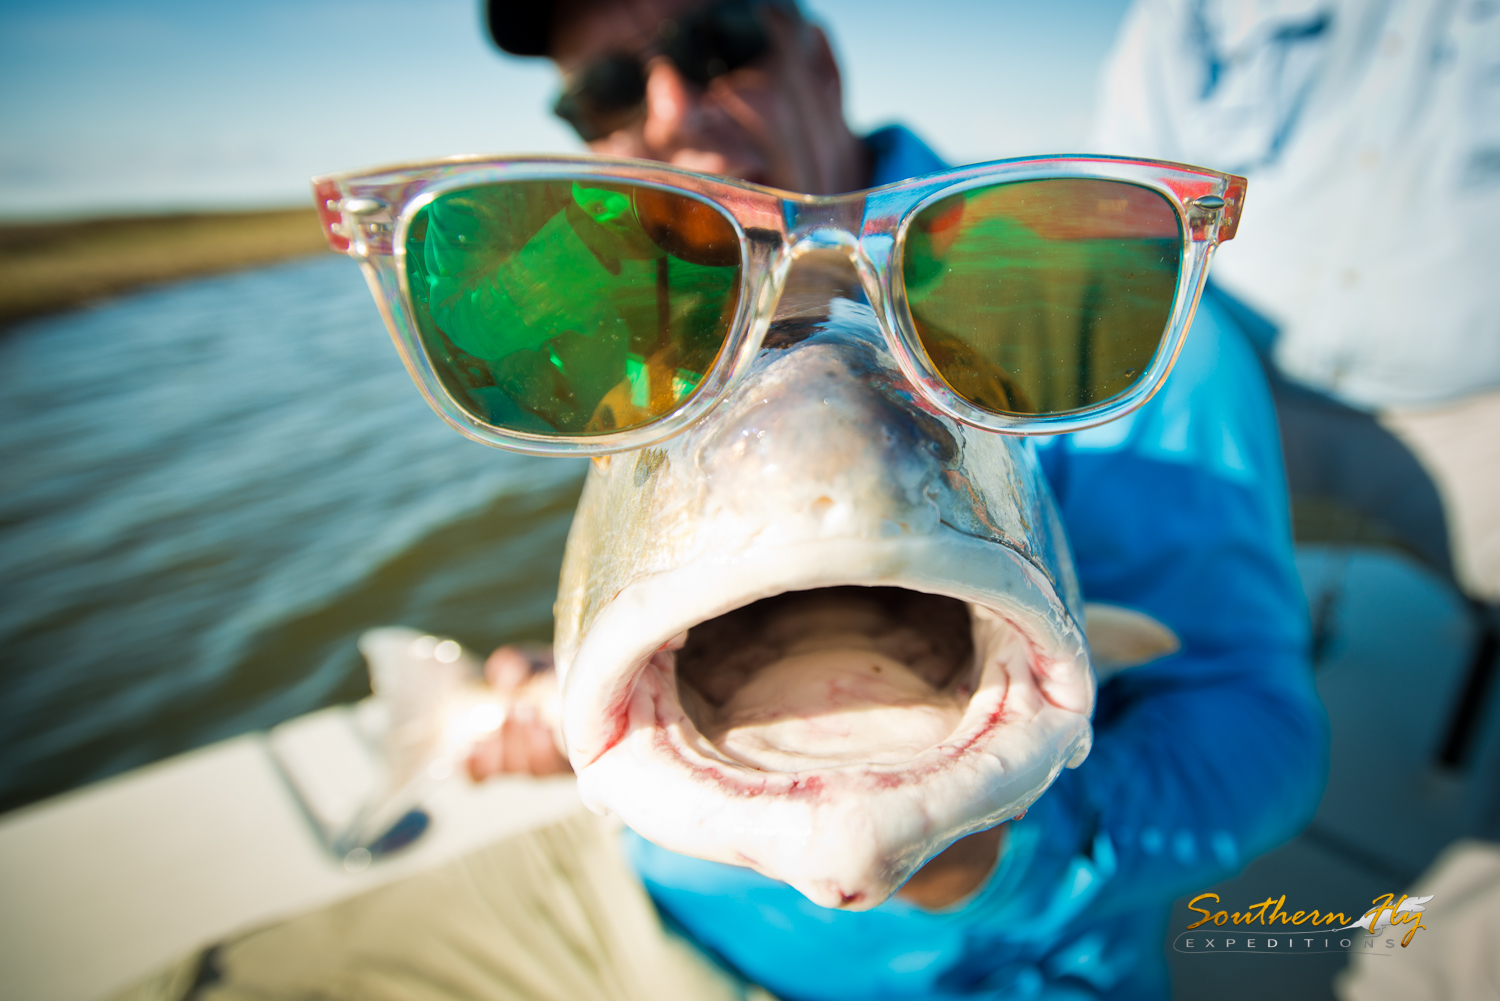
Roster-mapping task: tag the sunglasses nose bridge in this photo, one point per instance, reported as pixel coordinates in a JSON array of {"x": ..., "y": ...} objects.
[
  {"x": 819, "y": 226},
  {"x": 824, "y": 240},
  {"x": 824, "y": 223}
]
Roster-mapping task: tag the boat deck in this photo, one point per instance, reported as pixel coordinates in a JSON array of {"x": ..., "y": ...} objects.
[{"x": 107, "y": 884}]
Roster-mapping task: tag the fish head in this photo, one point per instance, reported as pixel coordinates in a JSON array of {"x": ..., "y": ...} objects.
[{"x": 827, "y": 630}]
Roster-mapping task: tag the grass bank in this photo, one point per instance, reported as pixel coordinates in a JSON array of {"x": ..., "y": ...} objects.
[{"x": 47, "y": 267}]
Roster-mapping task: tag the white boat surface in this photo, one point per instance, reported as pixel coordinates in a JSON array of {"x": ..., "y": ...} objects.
[{"x": 102, "y": 886}]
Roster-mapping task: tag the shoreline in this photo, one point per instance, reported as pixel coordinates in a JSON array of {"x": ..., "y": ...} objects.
[{"x": 52, "y": 267}]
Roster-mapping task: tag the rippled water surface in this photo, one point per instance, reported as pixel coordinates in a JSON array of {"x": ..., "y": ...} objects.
[{"x": 210, "y": 490}]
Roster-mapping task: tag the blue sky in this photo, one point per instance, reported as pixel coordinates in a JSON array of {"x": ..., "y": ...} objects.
[{"x": 144, "y": 105}]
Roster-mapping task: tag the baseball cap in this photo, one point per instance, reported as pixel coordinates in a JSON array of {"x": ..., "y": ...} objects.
[{"x": 520, "y": 28}]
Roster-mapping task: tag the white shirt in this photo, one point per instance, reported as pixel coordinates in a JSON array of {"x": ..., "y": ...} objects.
[{"x": 1370, "y": 131}]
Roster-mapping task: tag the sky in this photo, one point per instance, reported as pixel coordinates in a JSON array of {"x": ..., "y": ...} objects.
[{"x": 123, "y": 106}]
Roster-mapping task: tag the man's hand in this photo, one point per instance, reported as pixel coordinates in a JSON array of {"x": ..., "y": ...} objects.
[{"x": 526, "y": 683}]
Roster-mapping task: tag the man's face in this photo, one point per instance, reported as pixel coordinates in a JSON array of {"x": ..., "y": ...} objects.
[{"x": 778, "y": 121}]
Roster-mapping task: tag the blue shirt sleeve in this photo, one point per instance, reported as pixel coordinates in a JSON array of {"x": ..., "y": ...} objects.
[{"x": 1207, "y": 758}]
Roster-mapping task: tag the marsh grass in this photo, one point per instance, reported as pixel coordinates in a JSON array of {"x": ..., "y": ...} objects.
[{"x": 46, "y": 267}]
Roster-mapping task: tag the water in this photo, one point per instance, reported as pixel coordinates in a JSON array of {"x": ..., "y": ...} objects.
[{"x": 209, "y": 491}]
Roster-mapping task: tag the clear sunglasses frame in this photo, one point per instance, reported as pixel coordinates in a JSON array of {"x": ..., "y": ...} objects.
[{"x": 367, "y": 214}]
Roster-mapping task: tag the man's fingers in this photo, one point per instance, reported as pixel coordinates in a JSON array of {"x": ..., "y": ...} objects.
[
  {"x": 543, "y": 756},
  {"x": 507, "y": 669},
  {"x": 486, "y": 758},
  {"x": 520, "y": 676},
  {"x": 517, "y": 746}
]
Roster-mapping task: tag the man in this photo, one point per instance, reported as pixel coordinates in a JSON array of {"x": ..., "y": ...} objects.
[
  {"x": 1202, "y": 760},
  {"x": 1371, "y": 137}
]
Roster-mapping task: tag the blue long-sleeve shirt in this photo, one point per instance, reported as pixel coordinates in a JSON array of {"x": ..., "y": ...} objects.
[{"x": 1201, "y": 760}]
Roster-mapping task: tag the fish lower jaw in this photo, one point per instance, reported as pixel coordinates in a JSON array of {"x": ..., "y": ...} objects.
[
  {"x": 735, "y": 713},
  {"x": 827, "y": 801},
  {"x": 847, "y": 836}
]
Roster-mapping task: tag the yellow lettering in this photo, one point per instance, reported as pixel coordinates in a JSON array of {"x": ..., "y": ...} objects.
[
  {"x": 1221, "y": 917},
  {"x": 1380, "y": 908},
  {"x": 1412, "y": 931},
  {"x": 1301, "y": 916},
  {"x": 1275, "y": 911},
  {"x": 1261, "y": 917},
  {"x": 1332, "y": 918},
  {"x": 1207, "y": 917}
]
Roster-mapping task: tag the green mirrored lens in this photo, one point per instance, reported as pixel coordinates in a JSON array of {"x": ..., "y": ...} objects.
[
  {"x": 571, "y": 308},
  {"x": 1043, "y": 297}
]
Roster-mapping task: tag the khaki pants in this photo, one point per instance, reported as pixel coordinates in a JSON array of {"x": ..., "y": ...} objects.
[
  {"x": 554, "y": 914},
  {"x": 1459, "y": 445},
  {"x": 1454, "y": 955}
]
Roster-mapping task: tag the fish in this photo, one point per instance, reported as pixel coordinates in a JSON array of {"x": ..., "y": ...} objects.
[{"x": 828, "y": 630}]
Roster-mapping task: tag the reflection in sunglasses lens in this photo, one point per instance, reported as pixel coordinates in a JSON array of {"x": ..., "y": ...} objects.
[
  {"x": 1043, "y": 297},
  {"x": 691, "y": 230},
  {"x": 571, "y": 308}
]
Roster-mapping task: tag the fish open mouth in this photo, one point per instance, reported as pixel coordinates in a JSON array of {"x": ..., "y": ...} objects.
[
  {"x": 838, "y": 689},
  {"x": 834, "y": 736},
  {"x": 833, "y": 677}
]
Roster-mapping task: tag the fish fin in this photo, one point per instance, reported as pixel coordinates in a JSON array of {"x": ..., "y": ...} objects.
[{"x": 1122, "y": 637}]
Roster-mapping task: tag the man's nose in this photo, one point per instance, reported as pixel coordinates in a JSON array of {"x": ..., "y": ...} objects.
[{"x": 673, "y": 113}]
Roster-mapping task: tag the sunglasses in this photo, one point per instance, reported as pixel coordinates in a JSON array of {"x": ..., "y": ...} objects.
[
  {"x": 583, "y": 306},
  {"x": 610, "y": 92}
]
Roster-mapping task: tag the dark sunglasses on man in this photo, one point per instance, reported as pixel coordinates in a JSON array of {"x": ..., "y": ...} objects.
[{"x": 610, "y": 92}]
